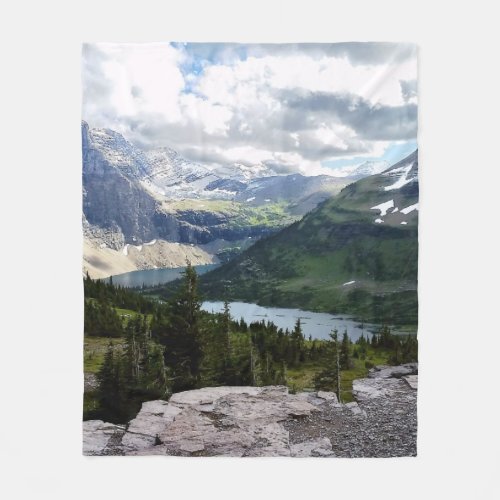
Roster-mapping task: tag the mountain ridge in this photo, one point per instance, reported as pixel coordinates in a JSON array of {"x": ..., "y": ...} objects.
[
  {"x": 133, "y": 197},
  {"x": 355, "y": 253}
]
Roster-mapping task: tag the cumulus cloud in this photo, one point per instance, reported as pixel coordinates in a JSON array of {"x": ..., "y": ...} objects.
[
  {"x": 292, "y": 106},
  {"x": 409, "y": 90},
  {"x": 368, "y": 121},
  {"x": 365, "y": 53}
]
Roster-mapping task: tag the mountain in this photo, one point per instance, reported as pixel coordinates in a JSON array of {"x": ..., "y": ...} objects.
[
  {"x": 294, "y": 188},
  {"x": 355, "y": 172},
  {"x": 171, "y": 175},
  {"x": 134, "y": 197},
  {"x": 355, "y": 253},
  {"x": 113, "y": 198},
  {"x": 126, "y": 227}
]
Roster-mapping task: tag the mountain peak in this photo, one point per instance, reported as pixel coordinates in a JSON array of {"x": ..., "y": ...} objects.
[{"x": 355, "y": 172}]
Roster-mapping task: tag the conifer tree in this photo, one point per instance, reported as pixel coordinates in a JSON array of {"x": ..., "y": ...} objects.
[
  {"x": 111, "y": 394},
  {"x": 182, "y": 335},
  {"x": 155, "y": 378},
  {"x": 297, "y": 344},
  {"x": 329, "y": 378},
  {"x": 345, "y": 352}
]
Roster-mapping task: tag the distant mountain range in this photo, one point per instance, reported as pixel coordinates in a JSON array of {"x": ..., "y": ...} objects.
[
  {"x": 356, "y": 253},
  {"x": 367, "y": 168},
  {"x": 134, "y": 197}
]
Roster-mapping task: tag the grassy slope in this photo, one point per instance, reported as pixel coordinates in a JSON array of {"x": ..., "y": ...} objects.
[
  {"x": 306, "y": 264},
  {"x": 277, "y": 214},
  {"x": 94, "y": 349},
  {"x": 301, "y": 378}
]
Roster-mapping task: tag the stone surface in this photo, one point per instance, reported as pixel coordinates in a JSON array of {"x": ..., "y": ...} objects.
[
  {"x": 355, "y": 409},
  {"x": 318, "y": 398},
  {"x": 329, "y": 396},
  {"x": 381, "y": 423},
  {"x": 317, "y": 448},
  {"x": 384, "y": 371},
  {"x": 150, "y": 422},
  {"x": 412, "y": 381},
  {"x": 268, "y": 421},
  {"x": 97, "y": 435},
  {"x": 90, "y": 382}
]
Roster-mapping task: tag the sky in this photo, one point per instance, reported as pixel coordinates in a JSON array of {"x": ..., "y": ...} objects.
[{"x": 305, "y": 108}]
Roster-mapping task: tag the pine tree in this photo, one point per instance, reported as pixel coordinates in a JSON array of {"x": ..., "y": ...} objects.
[
  {"x": 111, "y": 394},
  {"x": 227, "y": 368},
  {"x": 181, "y": 336},
  {"x": 297, "y": 344},
  {"x": 155, "y": 377},
  {"x": 345, "y": 352},
  {"x": 329, "y": 378}
]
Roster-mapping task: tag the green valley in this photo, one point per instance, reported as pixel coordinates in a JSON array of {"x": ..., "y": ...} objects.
[{"x": 356, "y": 253}]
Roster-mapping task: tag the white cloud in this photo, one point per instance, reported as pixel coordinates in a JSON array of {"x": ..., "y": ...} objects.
[
  {"x": 141, "y": 78},
  {"x": 233, "y": 110},
  {"x": 213, "y": 118},
  {"x": 248, "y": 80}
]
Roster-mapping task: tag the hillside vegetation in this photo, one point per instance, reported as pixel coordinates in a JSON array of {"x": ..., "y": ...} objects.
[{"x": 346, "y": 256}]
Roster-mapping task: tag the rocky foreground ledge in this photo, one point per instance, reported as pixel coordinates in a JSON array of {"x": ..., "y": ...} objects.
[{"x": 268, "y": 421}]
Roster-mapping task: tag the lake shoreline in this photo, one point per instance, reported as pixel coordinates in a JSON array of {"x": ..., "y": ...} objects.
[
  {"x": 317, "y": 324},
  {"x": 147, "y": 280}
]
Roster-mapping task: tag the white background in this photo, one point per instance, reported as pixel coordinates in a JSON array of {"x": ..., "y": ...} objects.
[{"x": 40, "y": 196}]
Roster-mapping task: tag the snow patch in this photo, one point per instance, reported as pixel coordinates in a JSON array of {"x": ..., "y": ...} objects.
[
  {"x": 383, "y": 207},
  {"x": 409, "y": 209},
  {"x": 404, "y": 222},
  {"x": 251, "y": 199},
  {"x": 378, "y": 221},
  {"x": 152, "y": 242},
  {"x": 349, "y": 283},
  {"x": 403, "y": 178},
  {"x": 399, "y": 170},
  {"x": 395, "y": 210},
  {"x": 125, "y": 249}
]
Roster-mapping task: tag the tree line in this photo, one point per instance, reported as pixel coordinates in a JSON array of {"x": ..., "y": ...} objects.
[{"x": 175, "y": 346}]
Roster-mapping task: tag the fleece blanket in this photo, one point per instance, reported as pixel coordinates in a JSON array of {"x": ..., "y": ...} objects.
[{"x": 250, "y": 221}]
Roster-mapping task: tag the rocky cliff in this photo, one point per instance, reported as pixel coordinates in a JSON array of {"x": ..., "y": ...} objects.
[
  {"x": 269, "y": 421},
  {"x": 133, "y": 197}
]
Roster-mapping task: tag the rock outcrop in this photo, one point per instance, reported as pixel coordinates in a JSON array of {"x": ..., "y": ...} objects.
[
  {"x": 269, "y": 421},
  {"x": 100, "y": 437}
]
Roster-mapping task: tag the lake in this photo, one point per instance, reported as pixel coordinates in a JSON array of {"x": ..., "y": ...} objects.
[
  {"x": 152, "y": 277},
  {"x": 318, "y": 325}
]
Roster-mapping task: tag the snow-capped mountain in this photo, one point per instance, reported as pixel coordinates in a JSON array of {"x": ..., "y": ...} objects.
[
  {"x": 356, "y": 172},
  {"x": 244, "y": 173},
  {"x": 132, "y": 197},
  {"x": 165, "y": 173},
  {"x": 118, "y": 152},
  {"x": 169, "y": 174}
]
